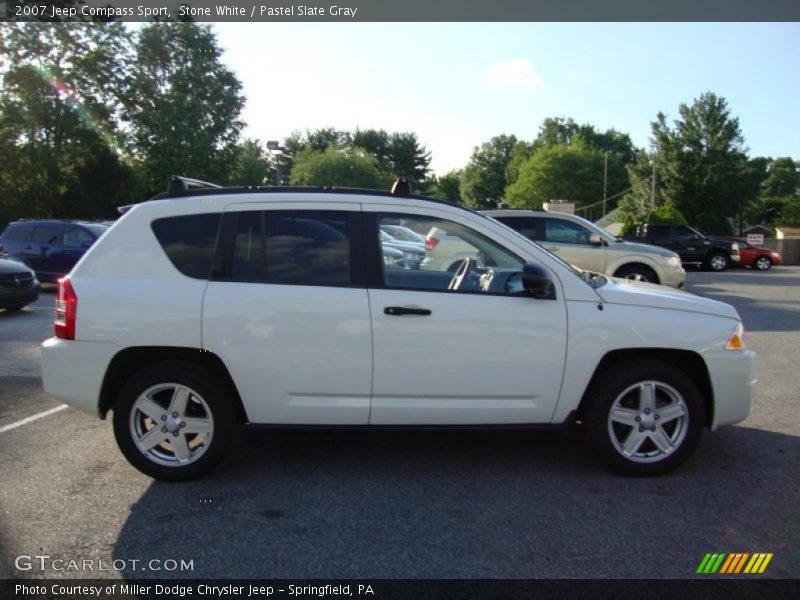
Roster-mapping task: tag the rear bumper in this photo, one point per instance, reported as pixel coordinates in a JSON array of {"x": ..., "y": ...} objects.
[
  {"x": 73, "y": 371},
  {"x": 733, "y": 381}
]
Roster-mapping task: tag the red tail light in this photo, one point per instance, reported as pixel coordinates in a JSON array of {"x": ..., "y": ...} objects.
[
  {"x": 431, "y": 243},
  {"x": 66, "y": 309}
]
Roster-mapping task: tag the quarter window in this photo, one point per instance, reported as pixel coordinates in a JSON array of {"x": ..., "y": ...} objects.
[
  {"x": 47, "y": 234},
  {"x": 77, "y": 237},
  {"x": 292, "y": 248},
  {"x": 189, "y": 242}
]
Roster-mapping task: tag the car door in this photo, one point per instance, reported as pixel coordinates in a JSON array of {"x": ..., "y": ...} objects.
[
  {"x": 474, "y": 351},
  {"x": 287, "y": 311},
  {"x": 688, "y": 244},
  {"x": 571, "y": 242},
  {"x": 77, "y": 239},
  {"x": 42, "y": 251}
]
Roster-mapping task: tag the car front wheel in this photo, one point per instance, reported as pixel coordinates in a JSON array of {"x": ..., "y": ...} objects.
[
  {"x": 763, "y": 263},
  {"x": 637, "y": 273},
  {"x": 174, "y": 421},
  {"x": 644, "y": 418}
]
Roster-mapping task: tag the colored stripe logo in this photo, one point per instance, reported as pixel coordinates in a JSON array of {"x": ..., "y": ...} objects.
[{"x": 734, "y": 563}]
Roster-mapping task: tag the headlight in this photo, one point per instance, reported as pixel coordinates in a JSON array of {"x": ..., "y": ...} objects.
[
  {"x": 774, "y": 255},
  {"x": 735, "y": 247},
  {"x": 736, "y": 339},
  {"x": 672, "y": 261}
]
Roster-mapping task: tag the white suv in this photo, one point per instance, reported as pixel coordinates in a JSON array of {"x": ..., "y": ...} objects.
[{"x": 210, "y": 307}]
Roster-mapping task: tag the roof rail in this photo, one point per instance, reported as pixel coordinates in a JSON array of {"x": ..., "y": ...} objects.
[
  {"x": 187, "y": 187},
  {"x": 181, "y": 186}
]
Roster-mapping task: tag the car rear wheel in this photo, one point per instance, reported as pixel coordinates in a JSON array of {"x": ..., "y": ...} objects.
[
  {"x": 644, "y": 418},
  {"x": 762, "y": 263},
  {"x": 637, "y": 273},
  {"x": 718, "y": 262},
  {"x": 173, "y": 421}
]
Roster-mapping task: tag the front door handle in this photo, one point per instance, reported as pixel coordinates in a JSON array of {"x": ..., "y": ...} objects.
[
  {"x": 396, "y": 311},
  {"x": 552, "y": 248}
]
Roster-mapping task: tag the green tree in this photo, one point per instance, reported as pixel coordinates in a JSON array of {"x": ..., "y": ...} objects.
[
  {"x": 701, "y": 162},
  {"x": 446, "y": 187},
  {"x": 341, "y": 168},
  {"x": 483, "y": 180},
  {"x": 782, "y": 178},
  {"x": 375, "y": 141},
  {"x": 59, "y": 119},
  {"x": 408, "y": 158},
  {"x": 573, "y": 172},
  {"x": 561, "y": 132},
  {"x": 251, "y": 165},
  {"x": 666, "y": 214},
  {"x": 182, "y": 105}
]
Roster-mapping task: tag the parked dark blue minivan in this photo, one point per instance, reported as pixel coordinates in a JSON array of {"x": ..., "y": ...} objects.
[{"x": 50, "y": 247}]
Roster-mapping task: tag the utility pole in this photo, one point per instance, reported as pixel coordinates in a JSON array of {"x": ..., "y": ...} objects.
[
  {"x": 605, "y": 183},
  {"x": 653, "y": 187}
]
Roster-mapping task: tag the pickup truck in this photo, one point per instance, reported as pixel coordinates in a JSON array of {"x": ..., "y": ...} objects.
[{"x": 692, "y": 246}]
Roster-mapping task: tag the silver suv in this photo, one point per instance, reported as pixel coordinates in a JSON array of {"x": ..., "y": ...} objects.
[{"x": 591, "y": 248}]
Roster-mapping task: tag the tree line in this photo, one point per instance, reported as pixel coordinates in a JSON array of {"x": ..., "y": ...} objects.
[{"x": 93, "y": 116}]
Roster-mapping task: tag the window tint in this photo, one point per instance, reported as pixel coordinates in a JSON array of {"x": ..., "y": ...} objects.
[
  {"x": 18, "y": 233},
  {"x": 453, "y": 257},
  {"x": 560, "y": 231},
  {"x": 47, "y": 234},
  {"x": 292, "y": 247},
  {"x": 530, "y": 227},
  {"x": 682, "y": 233},
  {"x": 658, "y": 232},
  {"x": 76, "y": 237},
  {"x": 189, "y": 242}
]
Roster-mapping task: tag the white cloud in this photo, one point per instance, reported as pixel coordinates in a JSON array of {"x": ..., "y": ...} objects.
[{"x": 513, "y": 73}]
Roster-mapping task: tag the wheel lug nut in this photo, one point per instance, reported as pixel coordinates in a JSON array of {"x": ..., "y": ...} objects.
[
  {"x": 164, "y": 430},
  {"x": 175, "y": 433},
  {"x": 647, "y": 411},
  {"x": 163, "y": 417},
  {"x": 638, "y": 418},
  {"x": 652, "y": 429},
  {"x": 641, "y": 427},
  {"x": 174, "y": 414},
  {"x": 182, "y": 424},
  {"x": 657, "y": 417}
]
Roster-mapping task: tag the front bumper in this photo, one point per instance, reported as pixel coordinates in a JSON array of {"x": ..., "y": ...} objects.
[
  {"x": 733, "y": 380},
  {"x": 17, "y": 297},
  {"x": 674, "y": 277},
  {"x": 73, "y": 371}
]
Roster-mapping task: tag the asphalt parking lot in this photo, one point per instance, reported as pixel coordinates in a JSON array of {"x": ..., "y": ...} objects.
[{"x": 407, "y": 505}]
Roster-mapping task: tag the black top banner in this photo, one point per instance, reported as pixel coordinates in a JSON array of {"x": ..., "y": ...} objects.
[{"x": 400, "y": 10}]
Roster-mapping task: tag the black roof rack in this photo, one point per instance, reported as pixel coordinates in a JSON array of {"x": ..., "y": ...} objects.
[{"x": 185, "y": 187}]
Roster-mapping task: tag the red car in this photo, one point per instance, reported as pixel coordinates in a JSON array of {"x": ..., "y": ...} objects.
[{"x": 760, "y": 259}]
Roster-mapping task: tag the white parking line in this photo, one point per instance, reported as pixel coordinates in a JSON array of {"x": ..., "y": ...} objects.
[{"x": 32, "y": 418}]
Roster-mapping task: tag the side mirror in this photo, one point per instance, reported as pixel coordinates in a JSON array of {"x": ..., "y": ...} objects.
[
  {"x": 536, "y": 280},
  {"x": 595, "y": 239}
]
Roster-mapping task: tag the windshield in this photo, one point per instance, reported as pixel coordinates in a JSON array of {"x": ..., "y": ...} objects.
[
  {"x": 96, "y": 228},
  {"x": 594, "y": 280}
]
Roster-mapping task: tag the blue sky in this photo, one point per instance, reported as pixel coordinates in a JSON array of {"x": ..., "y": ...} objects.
[{"x": 457, "y": 85}]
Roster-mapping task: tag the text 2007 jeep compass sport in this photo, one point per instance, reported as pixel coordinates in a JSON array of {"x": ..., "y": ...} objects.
[{"x": 208, "y": 307}]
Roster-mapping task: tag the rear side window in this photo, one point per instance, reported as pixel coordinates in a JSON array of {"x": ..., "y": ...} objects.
[
  {"x": 189, "y": 242},
  {"x": 18, "y": 233},
  {"x": 292, "y": 248},
  {"x": 77, "y": 237}
]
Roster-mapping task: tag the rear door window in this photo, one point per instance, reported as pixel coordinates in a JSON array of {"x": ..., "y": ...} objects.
[
  {"x": 530, "y": 227},
  {"x": 292, "y": 248},
  {"x": 48, "y": 234},
  {"x": 18, "y": 233},
  {"x": 77, "y": 237}
]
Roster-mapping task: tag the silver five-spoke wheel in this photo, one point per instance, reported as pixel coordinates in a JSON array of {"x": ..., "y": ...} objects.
[
  {"x": 648, "y": 421},
  {"x": 171, "y": 424}
]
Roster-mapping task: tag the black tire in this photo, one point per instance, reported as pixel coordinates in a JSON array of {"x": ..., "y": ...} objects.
[
  {"x": 15, "y": 307},
  {"x": 718, "y": 262},
  {"x": 217, "y": 403},
  {"x": 607, "y": 438},
  {"x": 637, "y": 273},
  {"x": 762, "y": 263}
]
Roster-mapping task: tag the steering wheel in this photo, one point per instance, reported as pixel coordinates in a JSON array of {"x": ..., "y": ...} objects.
[{"x": 467, "y": 265}]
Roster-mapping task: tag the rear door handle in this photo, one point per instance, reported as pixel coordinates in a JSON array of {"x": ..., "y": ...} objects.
[
  {"x": 552, "y": 248},
  {"x": 396, "y": 311}
]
